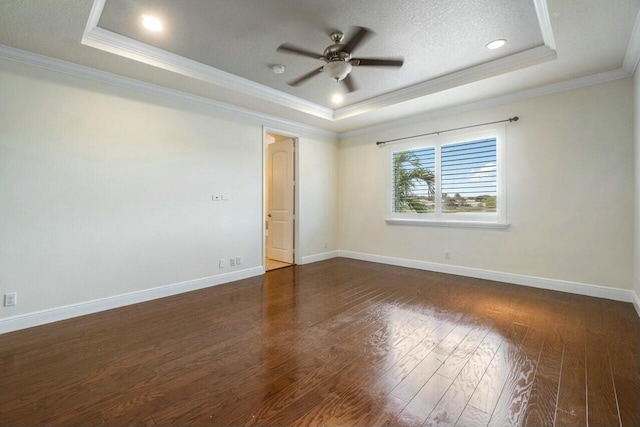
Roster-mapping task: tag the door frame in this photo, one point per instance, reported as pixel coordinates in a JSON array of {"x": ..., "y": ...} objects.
[{"x": 297, "y": 256}]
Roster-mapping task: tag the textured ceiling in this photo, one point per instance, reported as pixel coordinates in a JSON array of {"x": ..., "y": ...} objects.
[
  {"x": 435, "y": 37},
  {"x": 591, "y": 37}
]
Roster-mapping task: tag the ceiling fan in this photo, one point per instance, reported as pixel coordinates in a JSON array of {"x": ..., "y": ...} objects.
[{"x": 339, "y": 62}]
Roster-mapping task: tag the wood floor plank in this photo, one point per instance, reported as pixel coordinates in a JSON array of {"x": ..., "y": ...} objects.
[
  {"x": 602, "y": 408},
  {"x": 181, "y": 378},
  {"x": 625, "y": 365},
  {"x": 486, "y": 395},
  {"x": 472, "y": 417},
  {"x": 513, "y": 401},
  {"x": 451, "y": 335},
  {"x": 425, "y": 401},
  {"x": 385, "y": 346},
  {"x": 461, "y": 355},
  {"x": 338, "y": 342},
  {"x": 541, "y": 407},
  {"x": 368, "y": 401},
  {"x": 453, "y": 403},
  {"x": 284, "y": 394},
  {"x": 572, "y": 395}
]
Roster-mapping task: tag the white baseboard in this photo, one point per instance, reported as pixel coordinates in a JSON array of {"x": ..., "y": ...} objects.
[
  {"x": 518, "y": 279},
  {"x": 319, "y": 257},
  {"x": 636, "y": 298},
  {"x": 29, "y": 320}
]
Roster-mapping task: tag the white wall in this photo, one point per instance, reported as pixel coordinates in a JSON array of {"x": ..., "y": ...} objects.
[
  {"x": 569, "y": 183},
  {"x": 106, "y": 191},
  {"x": 318, "y": 195},
  {"x": 636, "y": 121}
]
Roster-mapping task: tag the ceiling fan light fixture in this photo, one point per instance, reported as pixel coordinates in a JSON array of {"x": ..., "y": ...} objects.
[
  {"x": 337, "y": 70},
  {"x": 338, "y": 59},
  {"x": 152, "y": 23},
  {"x": 278, "y": 69},
  {"x": 496, "y": 44}
]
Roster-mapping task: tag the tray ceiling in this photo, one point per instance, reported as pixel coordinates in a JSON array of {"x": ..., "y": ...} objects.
[
  {"x": 436, "y": 38},
  {"x": 443, "y": 44}
]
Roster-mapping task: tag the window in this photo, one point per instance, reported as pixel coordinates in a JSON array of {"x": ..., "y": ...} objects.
[{"x": 449, "y": 180}]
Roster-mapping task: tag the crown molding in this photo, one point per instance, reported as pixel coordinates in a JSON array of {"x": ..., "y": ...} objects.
[
  {"x": 499, "y": 66},
  {"x": 632, "y": 56},
  {"x": 577, "y": 83},
  {"x": 89, "y": 73},
  {"x": 542, "y": 11}
]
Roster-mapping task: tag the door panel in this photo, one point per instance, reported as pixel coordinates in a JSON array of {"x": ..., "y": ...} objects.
[{"x": 280, "y": 201}]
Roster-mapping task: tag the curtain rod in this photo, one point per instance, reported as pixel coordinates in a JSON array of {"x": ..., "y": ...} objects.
[{"x": 512, "y": 119}]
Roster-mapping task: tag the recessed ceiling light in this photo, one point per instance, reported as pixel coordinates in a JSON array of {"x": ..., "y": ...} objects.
[
  {"x": 278, "y": 68},
  {"x": 496, "y": 44},
  {"x": 151, "y": 23},
  {"x": 337, "y": 98}
]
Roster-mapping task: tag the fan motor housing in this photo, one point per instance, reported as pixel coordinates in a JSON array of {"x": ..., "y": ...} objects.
[{"x": 335, "y": 53}]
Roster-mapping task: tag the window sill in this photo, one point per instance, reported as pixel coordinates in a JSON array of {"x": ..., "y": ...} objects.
[{"x": 457, "y": 224}]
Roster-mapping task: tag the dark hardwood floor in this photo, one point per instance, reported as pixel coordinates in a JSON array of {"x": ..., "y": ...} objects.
[{"x": 339, "y": 342}]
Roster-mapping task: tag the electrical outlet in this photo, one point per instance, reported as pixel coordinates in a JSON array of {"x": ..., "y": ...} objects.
[
  {"x": 10, "y": 299},
  {"x": 238, "y": 260},
  {"x": 220, "y": 263},
  {"x": 447, "y": 254},
  {"x": 232, "y": 262}
]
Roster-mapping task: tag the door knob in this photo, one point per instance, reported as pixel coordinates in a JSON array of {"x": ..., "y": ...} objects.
[{"x": 269, "y": 215}]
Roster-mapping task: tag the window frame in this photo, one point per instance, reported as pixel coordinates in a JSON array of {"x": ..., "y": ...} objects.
[{"x": 457, "y": 219}]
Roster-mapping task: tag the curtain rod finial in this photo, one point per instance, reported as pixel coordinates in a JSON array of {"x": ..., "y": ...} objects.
[{"x": 514, "y": 119}]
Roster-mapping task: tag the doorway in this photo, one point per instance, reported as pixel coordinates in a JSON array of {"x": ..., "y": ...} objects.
[{"x": 280, "y": 201}]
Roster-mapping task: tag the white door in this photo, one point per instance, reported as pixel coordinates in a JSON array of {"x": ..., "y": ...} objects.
[{"x": 280, "y": 201}]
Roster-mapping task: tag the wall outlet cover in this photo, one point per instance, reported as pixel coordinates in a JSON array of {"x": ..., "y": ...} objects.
[{"x": 10, "y": 299}]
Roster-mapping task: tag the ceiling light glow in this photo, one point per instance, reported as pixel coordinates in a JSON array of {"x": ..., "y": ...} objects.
[
  {"x": 151, "y": 23},
  {"x": 496, "y": 44},
  {"x": 337, "y": 98}
]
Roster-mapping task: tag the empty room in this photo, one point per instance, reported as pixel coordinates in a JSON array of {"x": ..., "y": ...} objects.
[{"x": 319, "y": 213}]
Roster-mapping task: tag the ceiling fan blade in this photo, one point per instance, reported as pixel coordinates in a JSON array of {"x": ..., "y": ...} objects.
[
  {"x": 360, "y": 36},
  {"x": 350, "y": 84},
  {"x": 287, "y": 48},
  {"x": 305, "y": 77},
  {"x": 378, "y": 62}
]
